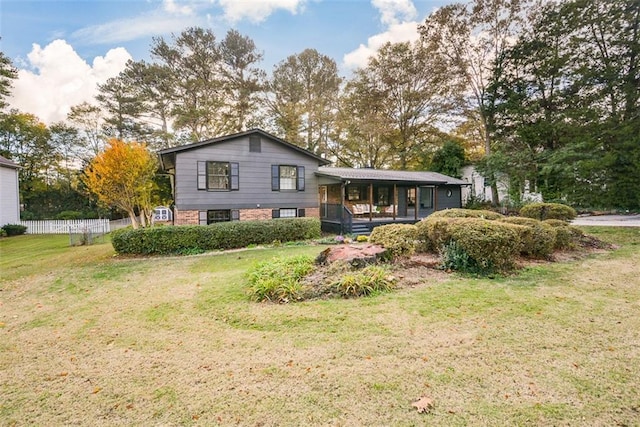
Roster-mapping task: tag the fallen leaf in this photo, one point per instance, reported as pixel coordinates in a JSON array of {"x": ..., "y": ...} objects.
[
  {"x": 423, "y": 405},
  {"x": 96, "y": 390}
]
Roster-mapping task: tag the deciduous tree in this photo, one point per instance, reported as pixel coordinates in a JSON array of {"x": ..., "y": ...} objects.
[{"x": 122, "y": 176}]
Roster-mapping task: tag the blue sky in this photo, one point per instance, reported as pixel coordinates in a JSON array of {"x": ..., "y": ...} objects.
[{"x": 64, "y": 48}]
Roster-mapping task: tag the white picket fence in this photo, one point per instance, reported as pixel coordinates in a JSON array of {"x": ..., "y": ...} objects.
[{"x": 66, "y": 226}]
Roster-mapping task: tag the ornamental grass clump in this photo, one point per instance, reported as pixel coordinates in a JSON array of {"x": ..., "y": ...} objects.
[
  {"x": 279, "y": 280},
  {"x": 370, "y": 280},
  {"x": 397, "y": 239}
]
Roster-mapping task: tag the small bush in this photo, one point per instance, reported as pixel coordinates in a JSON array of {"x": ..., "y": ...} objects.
[
  {"x": 454, "y": 257},
  {"x": 3, "y": 233},
  {"x": 14, "y": 229},
  {"x": 279, "y": 280},
  {"x": 225, "y": 235},
  {"x": 492, "y": 245},
  {"x": 466, "y": 213},
  {"x": 370, "y": 280},
  {"x": 398, "y": 239},
  {"x": 544, "y": 211},
  {"x": 433, "y": 233},
  {"x": 66, "y": 215},
  {"x": 361, "y": 238},
  {"x": 537, "y": 239}
]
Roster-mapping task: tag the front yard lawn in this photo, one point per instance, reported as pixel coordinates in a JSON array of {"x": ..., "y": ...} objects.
[{"x": 91, "y": 339}]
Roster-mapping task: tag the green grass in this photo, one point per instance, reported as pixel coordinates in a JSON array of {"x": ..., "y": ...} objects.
[{"x": 89, "y": 338}]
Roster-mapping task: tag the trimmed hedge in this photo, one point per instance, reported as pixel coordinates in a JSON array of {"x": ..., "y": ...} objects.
[
  {"x": 537, "y": 238},
  {"x": 492, "y": 245},
  {"x": 543, "y": 211},
  {"x": 398, "y": 239},
  {"x": 466, "y": 213},
  {"x": 567, "y": 236},
  {"x": 184, "y": 239},
  {"x": 433, "y": 233}
]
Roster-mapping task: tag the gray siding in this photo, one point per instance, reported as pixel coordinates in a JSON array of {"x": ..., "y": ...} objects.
[
  {"x": 446, "y": 202},
  {"x": 254, "y": 177}
]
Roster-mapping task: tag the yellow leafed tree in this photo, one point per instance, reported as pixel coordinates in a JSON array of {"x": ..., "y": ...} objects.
[{"x": 122, "y": 176}]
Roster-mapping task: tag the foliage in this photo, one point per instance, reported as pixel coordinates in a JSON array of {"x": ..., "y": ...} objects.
[
  {"x": 225, "y": 235},
  {"x": 491, "y": 244},
  {"x": 544, "y": 211},
  {"x": 433, "y": 232},
  {"x": 454, "y": 257},
  {"x": 449, "y": 159},
  {"x": 3, "y": 233},
  {"x": 538, "y": 239},
  {"x": 122, "y": 176},
  {"x": 7, "y": 73},
  {"x": 362, "y": 238},
  {"x": 370, "y": 280},
  {"x": 303, "y": 96},
  {"x": 398, "y": 239},
  {"x": 466, "y": 213},
  {"x": 278, "y": 280},
  {"x": 14, "y": 229}
]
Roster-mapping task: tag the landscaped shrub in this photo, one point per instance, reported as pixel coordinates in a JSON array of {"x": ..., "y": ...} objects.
[
  {"x": 3, "y": 233},
  {"x": 278, "y": 280},
  {"x": 543, "y": 211},
  {"x": 466, "y": 213},
  {"x": 370, "y": 280},
  {"x": 567, "y": 236},
  {"x": 433, "y": 233},
  {"x": 398, "y": 239},
  {"x": 14, "y": 229},
  {"x": 537, "y": 239},
  {"x": 225, "y": 235},
  {"x": 492, "y": 245}
]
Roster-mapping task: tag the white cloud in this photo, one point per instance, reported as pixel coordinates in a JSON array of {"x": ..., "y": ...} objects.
[
  {"x": 396, "y": 33},
  {"x": 257, "y": 10},
  {"x": 393, "y": 12},
  {"x": 134, "y": 28},
  {"x": 59, "y": 79},
  {"x": 171, "y": 7}
]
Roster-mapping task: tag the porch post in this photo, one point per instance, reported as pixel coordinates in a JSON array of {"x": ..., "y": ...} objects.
[
  {"x": 435, "y": 198},
  {"x": 417, "y": 204},
  {"x": 395, "y": 201},
  {"x": 370, "y": 202},
  {"x": 341, "y": 214}
]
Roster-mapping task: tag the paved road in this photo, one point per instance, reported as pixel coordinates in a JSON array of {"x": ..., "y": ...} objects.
[{"x": 609, "y": 220}]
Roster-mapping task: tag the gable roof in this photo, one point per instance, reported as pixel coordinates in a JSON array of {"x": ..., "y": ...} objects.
[
  {"x": 164, "y": 154},
  {"x": 4, "y": 162},
  {"x": 414, "y": 177}
]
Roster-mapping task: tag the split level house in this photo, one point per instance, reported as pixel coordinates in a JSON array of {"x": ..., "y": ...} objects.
[{"x": 254, "y": 175}]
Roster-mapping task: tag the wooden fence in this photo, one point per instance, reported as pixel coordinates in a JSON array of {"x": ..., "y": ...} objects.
[{"x": 67, "y": 226}]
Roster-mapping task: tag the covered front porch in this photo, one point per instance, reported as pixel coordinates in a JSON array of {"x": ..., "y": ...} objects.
[{"x": 354, "y": 201}]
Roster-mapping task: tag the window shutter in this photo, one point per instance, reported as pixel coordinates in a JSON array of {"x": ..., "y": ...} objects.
[
  {"x": 275, "y": 213},
  {"x": 235, "y": 176},
  {"x": 202, "y": 175},
  {"x": 235, "y": 215},
  {"x": 301, "y": 213},
  {"x": 275, "y": 178},
  {"x": 300, "y": 178},
  {"x": 203, "y": 217}
]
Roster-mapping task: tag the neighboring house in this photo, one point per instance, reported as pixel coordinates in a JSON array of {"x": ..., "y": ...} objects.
[
  {"x": 255, "y": 175},
  {"x": 246, "y": 176},
  {"x": 356, "y": 200},
  {"x": 9, "y": 193},
  {"x": 479, "y": 189}
]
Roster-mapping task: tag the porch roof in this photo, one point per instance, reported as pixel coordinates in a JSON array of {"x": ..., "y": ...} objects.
[{"x": 382, "y": 175}]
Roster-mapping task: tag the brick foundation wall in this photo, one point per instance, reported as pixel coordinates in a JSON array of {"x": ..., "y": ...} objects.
[
  {"x": 254, "y": 214},
  {"x": 312, "y": 212},
  {"x": 186, "y": 217}
]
